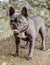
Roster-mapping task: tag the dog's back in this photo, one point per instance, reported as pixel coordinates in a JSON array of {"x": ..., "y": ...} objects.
[{"x": 39, "y": 22}]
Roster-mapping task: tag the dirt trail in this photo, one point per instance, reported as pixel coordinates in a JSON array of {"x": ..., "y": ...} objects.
[{"x": 7, "y": 48}]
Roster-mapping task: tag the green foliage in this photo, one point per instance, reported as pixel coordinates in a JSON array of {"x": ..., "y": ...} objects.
[{"x": 35, "y": 7}]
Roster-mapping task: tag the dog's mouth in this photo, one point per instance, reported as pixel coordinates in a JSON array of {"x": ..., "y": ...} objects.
[{"x": 15, "y": 30}]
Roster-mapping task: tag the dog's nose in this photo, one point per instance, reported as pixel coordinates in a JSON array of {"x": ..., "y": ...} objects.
[{"x": 16, "y": 33}]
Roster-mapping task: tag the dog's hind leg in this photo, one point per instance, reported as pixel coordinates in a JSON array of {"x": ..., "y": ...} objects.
[
  {"x": 43, "y": 36},
  {"x": 25, "y": 45}
]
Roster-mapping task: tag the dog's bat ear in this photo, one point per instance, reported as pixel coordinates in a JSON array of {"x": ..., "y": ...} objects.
[
  {"x": 11, "y": 11},
  {"x": 24, "y": 12}
]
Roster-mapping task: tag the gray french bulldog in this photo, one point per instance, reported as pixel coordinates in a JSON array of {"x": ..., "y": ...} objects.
[{"x": 30, "y": 27}]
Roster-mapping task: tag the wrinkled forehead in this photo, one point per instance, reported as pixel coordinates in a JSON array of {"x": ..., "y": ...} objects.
[
  {"x": 15, "y": 15},
  {"x": 21, "y": 18},
  {"x": 18, "y": 16}
]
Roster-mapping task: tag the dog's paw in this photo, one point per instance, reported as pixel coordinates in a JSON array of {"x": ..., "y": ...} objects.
[
  {"x": 15, "y": 55},
  {"x": 43, "y": 48},
  {"x": 28, "y": 58}
]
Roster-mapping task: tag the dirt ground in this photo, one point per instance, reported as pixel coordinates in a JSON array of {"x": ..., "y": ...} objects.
[{"x": 7, "y": 48}]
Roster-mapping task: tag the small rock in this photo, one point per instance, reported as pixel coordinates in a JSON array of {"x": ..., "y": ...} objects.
[{"x": 3, "y": 63}]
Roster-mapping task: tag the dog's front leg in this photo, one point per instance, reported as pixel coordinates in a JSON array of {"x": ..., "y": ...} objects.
[
  {"x": 17, "y": 42},
  {"x": 31, "y": 49}
]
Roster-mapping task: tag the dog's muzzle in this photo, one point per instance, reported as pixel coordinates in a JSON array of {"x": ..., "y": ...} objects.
[{"x": 13, "y": 25}]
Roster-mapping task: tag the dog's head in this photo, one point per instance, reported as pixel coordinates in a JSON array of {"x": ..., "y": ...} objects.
[{"x": 16, "y": 21}]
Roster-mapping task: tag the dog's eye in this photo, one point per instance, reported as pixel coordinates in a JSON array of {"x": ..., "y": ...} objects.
[
  {"x": 19, "y": 21},
  {"x": 15, "y": 20},
  {"x": 12, "y": 20}
]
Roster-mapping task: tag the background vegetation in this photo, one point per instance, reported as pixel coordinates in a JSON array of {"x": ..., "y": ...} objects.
[{"x": 35, "y": 7}]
